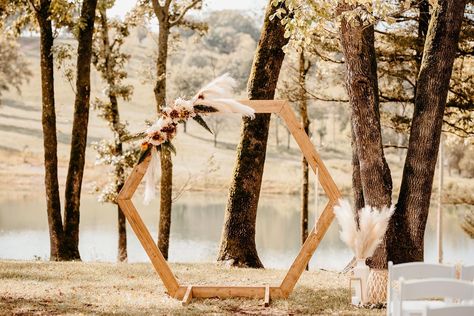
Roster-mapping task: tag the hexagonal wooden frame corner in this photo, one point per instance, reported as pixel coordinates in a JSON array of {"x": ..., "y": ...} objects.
[{"x": 187, "y": 292}]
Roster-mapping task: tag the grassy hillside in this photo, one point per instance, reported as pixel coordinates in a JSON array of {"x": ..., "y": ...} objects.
[
  {"x": 49, "y": 288},
  {"x": 198, "y": 164}
]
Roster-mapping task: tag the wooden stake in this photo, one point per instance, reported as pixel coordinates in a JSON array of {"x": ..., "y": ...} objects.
[
  {"x": 188, "y": 296},
  {"x": 267, "y": 296}
]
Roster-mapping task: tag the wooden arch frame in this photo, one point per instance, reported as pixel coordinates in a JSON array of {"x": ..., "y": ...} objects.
[{"x": 187, "y": 292}]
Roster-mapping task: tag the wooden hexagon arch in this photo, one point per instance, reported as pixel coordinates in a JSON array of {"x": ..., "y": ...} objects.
[{"x": 187, "y": 292}]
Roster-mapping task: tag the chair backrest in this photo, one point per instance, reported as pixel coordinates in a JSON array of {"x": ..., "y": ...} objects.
[
  {"x": 415, "y": 270},
  {"x": 467, "y": 273},
  {"x": 420, "y": 270},
  {"x": 436, "y": 288},
  {"x": 453, "y": 310}
]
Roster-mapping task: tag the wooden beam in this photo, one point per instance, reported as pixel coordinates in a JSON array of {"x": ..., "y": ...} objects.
[
  {"x": 310, "y": 153},
  {"x": 267, "y": 296},
  {"x": 134, "y": 179},
  {"x": 209, "y": 291},
  {"x": 186, "y": 293},
  {"x": 307, "y": 251},
  {"x": 188, "y": 296},
  {"x": 265, "y": 106},
  {"x": 157, "y": 259}
]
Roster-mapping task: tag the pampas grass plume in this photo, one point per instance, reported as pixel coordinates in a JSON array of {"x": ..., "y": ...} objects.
[
  {"x": 216, "y": 94},
  {"x": 362, "y": 238}
]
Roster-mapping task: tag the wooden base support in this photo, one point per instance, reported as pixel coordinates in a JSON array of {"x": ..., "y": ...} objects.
[
  {"x": 222, "y": 291},
  {"x": 267, "y": 296},
  {"x": 188, "y": 296}
]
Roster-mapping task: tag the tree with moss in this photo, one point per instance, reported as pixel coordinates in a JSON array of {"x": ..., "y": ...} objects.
[{"x": 237, "y": 245}]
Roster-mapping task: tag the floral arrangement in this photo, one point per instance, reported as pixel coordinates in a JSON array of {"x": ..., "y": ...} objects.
[
  {"x": 365, "y": 234},
  {"x": 214, "y": 97}
]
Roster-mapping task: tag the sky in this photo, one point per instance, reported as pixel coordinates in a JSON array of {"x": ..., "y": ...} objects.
[{"x": 255, "y": 6}]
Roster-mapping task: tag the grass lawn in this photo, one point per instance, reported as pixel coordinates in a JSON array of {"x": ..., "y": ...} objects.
[{"x": 50, "y": 288}]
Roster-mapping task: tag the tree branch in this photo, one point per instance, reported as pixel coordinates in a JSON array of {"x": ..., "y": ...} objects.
[
  {"x": 184, "y": 11},
  {"x": 157, "y": 8},
  {"x": 328, "y": 59},
  {"x": 32, "y": 3},
  {"x": 395, "y": 99},
  {"x": 458, "y": 131},
  {"x": 395, "y": 146}
]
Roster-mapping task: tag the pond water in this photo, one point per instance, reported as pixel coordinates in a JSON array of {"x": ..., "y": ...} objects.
[{"x": 196, "y": 228}]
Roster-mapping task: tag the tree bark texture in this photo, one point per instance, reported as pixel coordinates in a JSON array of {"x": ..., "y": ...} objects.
[
  {"x": 117, "y": 130},
  {"x": 423, "y": 23},
  {"x": 238, "y": 236},
  {"x": 79, "y": 131},
  {"x": 166, "y": 181},
  {"x": 303, "y": 105},
  {"x": 50, "y": 143},
  {"x": 356, "y": 180},
  {"x": 362, "y": 88},
  {"x": 407, "y": 227}
]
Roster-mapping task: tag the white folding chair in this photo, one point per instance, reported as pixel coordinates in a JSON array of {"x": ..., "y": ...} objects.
[
  {"x": 416, "y": 295},
  {"x": 467, "y": 273},
  {"x": 452, "y": 310},
  {"x": 414, "y": 270}
]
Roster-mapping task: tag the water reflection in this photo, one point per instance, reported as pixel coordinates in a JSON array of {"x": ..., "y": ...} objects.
[{"x": 196, "y": 228}]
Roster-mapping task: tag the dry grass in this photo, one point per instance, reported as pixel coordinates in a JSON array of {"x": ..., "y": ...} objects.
[{"x": 50, "y": 288}]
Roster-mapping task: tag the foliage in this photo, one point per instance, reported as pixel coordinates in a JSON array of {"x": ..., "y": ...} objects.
[
  {"x": 313, "y": 26},
  {"x": 466, "y": 163},
  {"x": 107, "y": 155},
  {"x": 14, "y": 72},
  {"x": 110, "y": 61},
  {"x": 225, "y": 48}
]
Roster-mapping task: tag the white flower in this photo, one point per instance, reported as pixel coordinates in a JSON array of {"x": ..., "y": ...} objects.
[{"x": 182, "y": 104}]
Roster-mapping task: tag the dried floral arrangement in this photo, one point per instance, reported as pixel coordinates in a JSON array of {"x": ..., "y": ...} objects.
[
  {"x": 362, "y": 233},
  {"x": 214, "y": 97}
]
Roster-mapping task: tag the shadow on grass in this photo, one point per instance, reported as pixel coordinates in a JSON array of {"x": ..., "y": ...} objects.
[
  {"x": 16, "y": 117},
  {"x": 19, "y": 105},
  {"x": 37, "y": 133}
]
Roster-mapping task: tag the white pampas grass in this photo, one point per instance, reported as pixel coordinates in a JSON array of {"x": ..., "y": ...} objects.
[
  {"x": 216, "y": 94},
  {"x": 364, "y": 238},
  {"x": 151, "y": 176}
]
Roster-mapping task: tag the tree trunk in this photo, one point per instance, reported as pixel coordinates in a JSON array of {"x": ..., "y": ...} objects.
[
  {"x": 117, "y": 130},
  {"x": 79, "y": 131},
  {"x": 356, "y": 180},
  {"x": 408, "y": 225},
  {"x": 362, "y": 87},
  {"x": 303, "y": 103},
  {"x": 166, "y": 184},
  {"x": 238, "y": 236},
  {"x": 423, "y": 22},
  {"x": 50, "y": 143}
]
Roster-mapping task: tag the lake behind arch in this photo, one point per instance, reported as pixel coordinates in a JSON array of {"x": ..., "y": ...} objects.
[{"x": 196, "y": 229}]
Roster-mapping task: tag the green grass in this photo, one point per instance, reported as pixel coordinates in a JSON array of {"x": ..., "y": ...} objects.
[{"x": 75, "y": 288}]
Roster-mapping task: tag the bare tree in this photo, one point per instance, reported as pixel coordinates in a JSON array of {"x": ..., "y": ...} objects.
[{"x": 216, "y": 123}]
